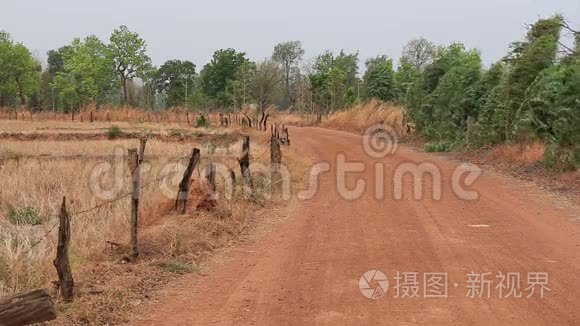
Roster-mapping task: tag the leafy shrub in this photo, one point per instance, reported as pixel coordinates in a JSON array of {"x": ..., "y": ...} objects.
[
  {"x": 25, "y": 216},
  {"x": 114, "y": 132},
  {"x": 561, "y": 159},
  {"x": 440, "y": 146},
  {"x": 201, "y": 121}
]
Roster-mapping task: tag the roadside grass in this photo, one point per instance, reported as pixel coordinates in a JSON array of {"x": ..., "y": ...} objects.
[
  {"x": 171, "y": 244},
  {"x": 360, "y": 117}
]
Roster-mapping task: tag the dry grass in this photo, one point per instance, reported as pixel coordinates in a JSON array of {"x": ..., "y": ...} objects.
[
  {"x": 105, "y": 114},
  {"x": 357, "y": 119},
  {"x": 106, "y": 288}
]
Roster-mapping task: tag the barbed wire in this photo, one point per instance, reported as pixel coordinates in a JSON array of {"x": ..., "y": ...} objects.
[
  {"x": 88, "y": 210},
  {"x": 111, "y": 201}
]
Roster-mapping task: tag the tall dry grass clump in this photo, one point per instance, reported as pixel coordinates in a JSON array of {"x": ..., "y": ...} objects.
[{"x": 358, "y": 118}]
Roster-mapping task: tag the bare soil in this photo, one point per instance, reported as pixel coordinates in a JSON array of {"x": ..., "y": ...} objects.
[{"x": 307, "y": 270}]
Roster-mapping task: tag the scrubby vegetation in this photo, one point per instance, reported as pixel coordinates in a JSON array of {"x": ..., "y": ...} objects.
[{"x": 532, "y": 93}]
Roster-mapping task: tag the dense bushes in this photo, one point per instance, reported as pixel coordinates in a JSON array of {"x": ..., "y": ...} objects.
[{"x": 531, "y": 94}]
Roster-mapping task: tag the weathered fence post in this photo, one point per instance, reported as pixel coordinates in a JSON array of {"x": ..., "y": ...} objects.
[
  {"x": 265, "y": 122},
  {"x": 232, "y": 176},
  {"x": 210, "y": 175},
  {"x": 285, "y": 137},
  {"x": 142, "y": 144},
  {"x": 135, "y": 181},
  {"x": 30, "y": 307},
  {"x": 183, "y": 192},
  {"x": 61, "y": 262},
  {"x": 187, "y": 116},
  {"x": 275, "y": 161},
  {"x": 245, "y": 160},
  {"x": 91, "y": 116}
]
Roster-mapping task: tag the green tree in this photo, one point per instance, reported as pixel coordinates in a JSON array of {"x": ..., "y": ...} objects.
[
  {"x": 378, "y": 80},
  {"x": 407, "y": 78},
  {"x": 88, "y": 75},
  {"x": 19, "y": 71},
  {"x": 334, "y": 79},
  {"x": 552, "y": 113},
  {"x": 288, "y": 55},
  {"x": 454, "y": 100},
  {"x": 222, "y": 69},
  {"x": 536, "y": 54},
  {"x": 176, "y": 79},
  {"x": 129, "y": 54}
]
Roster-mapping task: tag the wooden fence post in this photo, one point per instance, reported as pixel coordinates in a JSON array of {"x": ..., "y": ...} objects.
[
  {"x": 183, "y": 193},
  {"x": 142, "y": 144},
  {"x": 275, "y": 161},
  {"x": 135, "y": 181},
  {"x": 245, "y": 160},
  {"x": 27, "y": 308},
  {"x": 91, "y": 116},
  {"x": 61, "y": 262},
  {"x": 285, "y": 137},
  {"x": 210, "y": 175}
]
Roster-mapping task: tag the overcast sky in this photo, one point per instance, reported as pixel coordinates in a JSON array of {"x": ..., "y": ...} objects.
[{"x": 193, "y": 30}]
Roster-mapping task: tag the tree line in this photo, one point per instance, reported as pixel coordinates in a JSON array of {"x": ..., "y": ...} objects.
[{"x": 531, "y": 93}]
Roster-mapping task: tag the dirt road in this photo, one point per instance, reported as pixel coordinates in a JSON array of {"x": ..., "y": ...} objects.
[{"x": 307, "y": 270}]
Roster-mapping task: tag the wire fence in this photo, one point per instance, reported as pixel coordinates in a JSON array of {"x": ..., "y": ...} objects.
[
  {"x": 116, "y": 199},
  {"x": 96, "y": 207}
]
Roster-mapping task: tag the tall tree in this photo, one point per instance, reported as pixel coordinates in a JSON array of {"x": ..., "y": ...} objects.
[
  {"x": 176, "y": 79},
  {"x": 19, "y": 71},
  {"x": 88, "y": 75},
  {"x": 288, "y": 55},
  {"x": 216, "y": 75},
  {"x": 419, "y": 53},
  {"x": 333, "y": 79},
  {"x": 537, "y": 53},
  {"x": 266, "y": 84},
  {"x": 379, "y": 80},
  {"x": 129, "y": 53}
]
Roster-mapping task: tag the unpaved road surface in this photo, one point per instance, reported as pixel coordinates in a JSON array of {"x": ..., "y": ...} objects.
[{"x": 306, "y": 271}]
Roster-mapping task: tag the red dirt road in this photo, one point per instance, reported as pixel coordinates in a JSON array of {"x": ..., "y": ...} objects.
[{"x": 306, "y": 271}]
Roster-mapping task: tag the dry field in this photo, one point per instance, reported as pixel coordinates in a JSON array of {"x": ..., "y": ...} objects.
[{"x": 37, "y": 173}]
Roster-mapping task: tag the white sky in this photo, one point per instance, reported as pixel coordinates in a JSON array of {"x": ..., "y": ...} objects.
[{"x": 193, "y": 30}]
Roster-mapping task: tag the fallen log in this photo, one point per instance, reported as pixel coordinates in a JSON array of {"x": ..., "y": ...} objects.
[{"x": 27, "y": 308}]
